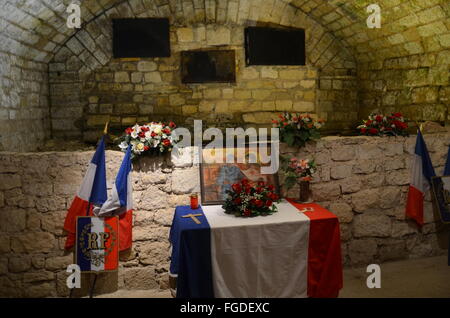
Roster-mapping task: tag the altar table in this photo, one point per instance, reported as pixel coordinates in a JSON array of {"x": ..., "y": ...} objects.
[{"x": 291, "y": 253}]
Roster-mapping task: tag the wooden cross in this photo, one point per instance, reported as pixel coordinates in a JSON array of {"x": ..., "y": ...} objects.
[{"x": 193, "y": 217}]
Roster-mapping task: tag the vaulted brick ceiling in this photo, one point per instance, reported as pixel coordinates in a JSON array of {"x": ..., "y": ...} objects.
[{"x": 36, "y": 28}]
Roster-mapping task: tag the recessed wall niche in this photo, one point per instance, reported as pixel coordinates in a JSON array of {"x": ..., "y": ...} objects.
[{"x": 212, "y": 66}]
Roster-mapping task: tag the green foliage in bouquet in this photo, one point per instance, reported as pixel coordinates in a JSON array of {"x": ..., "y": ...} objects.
[
  {"x": 247, "y": 200},
  {"x": 297, "y": 129}
]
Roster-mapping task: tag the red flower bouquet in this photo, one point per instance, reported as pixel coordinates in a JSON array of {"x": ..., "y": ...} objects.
[
  {"x": 245, "y": 199},
  {"x": 297, "y": 129},
  {"x": 378, "y": 125}
]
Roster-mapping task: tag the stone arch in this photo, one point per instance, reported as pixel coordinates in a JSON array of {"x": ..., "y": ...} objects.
[
  {"x": 414, "y": 42},
  {"x": 90, "y": 49}
]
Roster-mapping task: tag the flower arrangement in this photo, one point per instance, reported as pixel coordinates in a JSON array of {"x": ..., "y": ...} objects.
[
  {"x": 148, "y": 137},
  {"x": 247, "y": 200},
  {"x": 378, "y": 125},
  {"x": 297, "y": 170},
  {"x": 296, "y": 129}
]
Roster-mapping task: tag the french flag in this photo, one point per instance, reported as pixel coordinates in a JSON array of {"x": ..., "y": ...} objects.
[
  {"x": 121, "y": 202},
  {"x": 92, "y": 192},
  {"x": 421, "y": 172},
  {"x": 101, "y": 236}
]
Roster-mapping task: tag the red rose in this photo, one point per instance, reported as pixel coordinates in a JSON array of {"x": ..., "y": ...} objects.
[
  {"x": 237, "y": 201},
  {"x": 259, "y": 190},
  {"x": 363, "y": 130},
  {"x": 373, "y": 131},
  {"x": 146, "y": 148},
  {"x": 274, "y": 121},
  {"x": 379, "y": 118},
  {"x": 166, "y": 131},
  {"x": 259, "y": 203},
  {"x": 273, "y": 196},
  {"x": 285, "y": 123},
  {"x": 244, "y": 181},
  {"x": 247, "y": 212},
  {"x": 269, "y": 203},
  {"x": 398, "y": 115},
  {"x": 271, "y": 187},
  {"x": 153, "y": 134},
  {"x": 261, "y": 183},
  {"x": 166, "y": 142},
  {"x": 236, "y": 187},
  {"x": 172, "y": 124},
  {"x": 129, "y": 130},
  {"x": 248, "y": 189},
  {"x": 368, "y": 123},
  {"x": 142, "y": 134}
]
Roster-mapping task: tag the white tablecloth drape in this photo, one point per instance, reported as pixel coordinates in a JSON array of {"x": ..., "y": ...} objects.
[{"x": 263, "y": 256}]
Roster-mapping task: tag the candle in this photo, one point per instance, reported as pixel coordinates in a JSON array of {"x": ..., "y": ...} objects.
[{"x": 194, "y": 201}]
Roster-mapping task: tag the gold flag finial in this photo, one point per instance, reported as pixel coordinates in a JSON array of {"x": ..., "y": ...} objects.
[
  {"x": 105, "y": 131},
  {"x": 419, "y": 126}
]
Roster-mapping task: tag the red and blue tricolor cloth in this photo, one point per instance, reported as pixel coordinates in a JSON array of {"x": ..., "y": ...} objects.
[
  {"x": 97, "y": 244},
  {"x": 295, "y": 252},
  {"x": 120, "y": 202},
  {"x": 92, "y": 193},
  {"x": 421, "y": 173}
]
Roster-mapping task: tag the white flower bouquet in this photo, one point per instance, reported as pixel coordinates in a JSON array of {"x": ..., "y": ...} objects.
[{"x": 147, "y": 138}]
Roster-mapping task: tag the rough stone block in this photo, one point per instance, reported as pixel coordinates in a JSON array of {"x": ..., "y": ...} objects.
[
  {"x": 185, "y": 181},
  {"x": 36, "y": 242},
  {"x": 9, "y": 181},
  {"x": 121, "y": 77},
  {"x": 19, "y": 264},
  {"x": 343, "y": 211},
  {"x": 371, "y": 225},
  {"x": 218, "y": 35},
  {"x": 146, "y": 66},
  {"x": 365, "y": 200},
  {"x": 140, "y": 278},
  {"x": 59, "y": 262},
  {"x": 185, "y": 34},
  {"x": 13, "y": 220},
  {"x": 362, "y": 251},
  {"x": 341, "y": 171}
]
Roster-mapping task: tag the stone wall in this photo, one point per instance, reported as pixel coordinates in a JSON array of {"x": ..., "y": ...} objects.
[
  {"x": 36, "y": 190},
  {"x": 24, "y": 107},
  {"x": 89, "y": 87},
  {"x": 363, "y": 180},
  {"x": 401, "y": 66},
  {"x": 411, "y": 70}
]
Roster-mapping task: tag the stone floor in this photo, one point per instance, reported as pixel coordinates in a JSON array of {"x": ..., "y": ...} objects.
[{"x": 426, "y": 277}]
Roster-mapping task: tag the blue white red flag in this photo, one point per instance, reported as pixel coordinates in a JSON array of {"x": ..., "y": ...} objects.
[
  {"x": 92, "y": 192},
  {"x": 421, "y": 172},
  {"x": 97, "y": 243},
  {"x": 121, "y": 202}
]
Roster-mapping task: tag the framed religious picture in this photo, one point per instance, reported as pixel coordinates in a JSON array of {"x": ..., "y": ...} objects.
[
  {"x": 221, "y": 168},
  {"x": 440, "y": 187}
]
